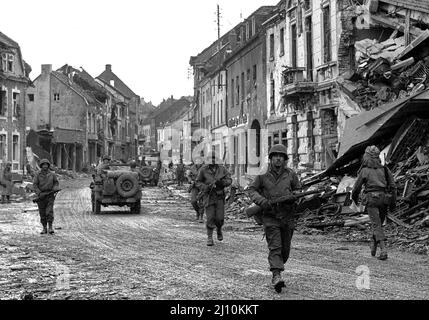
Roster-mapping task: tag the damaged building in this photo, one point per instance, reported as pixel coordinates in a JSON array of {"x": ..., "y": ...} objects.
[{"x": 14, "y": 83}]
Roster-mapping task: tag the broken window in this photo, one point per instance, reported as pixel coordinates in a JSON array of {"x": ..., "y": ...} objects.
[
  {"x": 271, "y": 46},
  {"x": 2, "y": 146},
  {"x": 270, "y": 142},
  {"x": 254, "y": 74},
  {"x": 31, "y": 97},
  {"x": 15, "y": 147},
  {"x": 294, "y": 46},
  {"x": 56, "y": 97},
  {"x": 282, "y": 41},
  {"x": 3, "y": 103},
  {"x": 276, "y": 138},
  {"x": 16, "y": 107},
  {"x": 326, "y": 34}
]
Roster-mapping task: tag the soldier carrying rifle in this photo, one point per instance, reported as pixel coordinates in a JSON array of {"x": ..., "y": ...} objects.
[
  {"x": 278, "y": 216},
  {"x": 45, "y": 185},
  {"x": 194, "y": 190}
]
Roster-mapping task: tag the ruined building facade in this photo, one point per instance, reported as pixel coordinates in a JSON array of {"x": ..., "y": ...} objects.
[{"x": 14, "y": 82}]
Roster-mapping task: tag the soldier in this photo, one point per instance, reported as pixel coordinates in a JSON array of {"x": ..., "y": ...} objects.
[
  {"x": 105, "y": 165},
  {"x": 194, "y": 190},
  {"x": 278, "y": 218},
  {"x": 377, "y": 179},
  {"x": 46, "y": 181},
  {"x": 180, "y": 173},
  {"x": 6, "y": 181},
  {"x": 212, "y": 179},
  {"x": 133, "y": 166}
]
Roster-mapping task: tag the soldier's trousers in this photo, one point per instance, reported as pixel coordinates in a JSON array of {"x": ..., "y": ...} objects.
[
  {"x": 377, "y": 212},
  {"x": 215, "y": 214},
  {"x": 279, "y": 237},
  {"x": 46, "y": 210},
  {"x": 194, "y": 202}
]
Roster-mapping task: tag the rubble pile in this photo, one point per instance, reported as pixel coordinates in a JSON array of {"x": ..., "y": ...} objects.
[
  {"x": 387, "y": 70},
  {"x": 236, "y": 202}
]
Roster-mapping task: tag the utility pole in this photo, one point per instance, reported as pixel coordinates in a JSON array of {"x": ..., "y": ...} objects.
[{"x": 218, "y": 27}]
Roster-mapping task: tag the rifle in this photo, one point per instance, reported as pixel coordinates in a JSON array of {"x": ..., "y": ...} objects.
[
  {"x": 254, "y": 209},
  {"x": 44, "y": 195}
]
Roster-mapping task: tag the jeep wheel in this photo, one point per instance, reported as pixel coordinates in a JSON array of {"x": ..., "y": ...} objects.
[
  {"x": 96, "y": 206},
  {"x": 127, "y": 185},
  {"x": 136, "y": 207}
]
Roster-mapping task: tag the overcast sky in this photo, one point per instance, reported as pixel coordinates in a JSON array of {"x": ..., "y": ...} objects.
[{"x": 148, "y": 43}]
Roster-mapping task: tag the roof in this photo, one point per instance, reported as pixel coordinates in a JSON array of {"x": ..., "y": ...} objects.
[
  {"x": 8, "y": 41},
  {"x": 64, "y": 79},
  {"x": 120, "y": 86},
  {"x": 378, "y": 125},
  {"x": 169, "y": 111}
]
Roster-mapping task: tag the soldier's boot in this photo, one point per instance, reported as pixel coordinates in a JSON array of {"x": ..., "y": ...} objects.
[
  {"x": 277, "y": 281},
  {"x": 45, "y": 229},
  {"x": 373, "y": 246},
  {"x": 210, "y": 241},
  {"x": 383, "y": 253},
  {"x": 219, "y": 234},
  {"x": 50, "y": 229}
]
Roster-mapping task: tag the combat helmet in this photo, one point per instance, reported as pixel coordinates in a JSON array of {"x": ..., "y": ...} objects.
[
  {"x": 43, "y": 161},
  {"x": 278, "y": 148}
]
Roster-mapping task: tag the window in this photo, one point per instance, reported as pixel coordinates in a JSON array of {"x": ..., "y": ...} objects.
[
  {"x": 326, "y": 34},
  {"x": 282, "y": 41},
  {"x": 16, "y": 107},
  {"x": 309, "y": 43},
  {"x": 270, "y": 142},
  {"x": 2, "y": 146},
  {"x": 31, "y": 97},
  {"x": 243, "y": 93},
  {"x": 4, "y": 62},
  {"x": 276, "y": 139},
  {"x": 254, "y": 73},
  {"x": 112, "y": 83},
  {"x": 272, "y": 93},
  {"x": 294, "y": 46},
  {"x": 3, "y": 103},
  {"x": 221, "y": 111},
  {"x": 271, "y": 46},
  {"x": 284, "y": 138},
  {"x": 232, "y": 92},
  {"x": 15, "y": 148},
  {"x": 247, "y": 31},
  {"x": 253, "y": 31},
  {"x": 10, "y": 59},
  {"x": 56, "y": 97},
  {"x": 237, "y": 79}
]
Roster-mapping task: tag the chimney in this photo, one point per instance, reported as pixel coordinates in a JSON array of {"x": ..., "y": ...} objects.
[
  {"x": 46, "y": 68},
  {"x": 108, "y": 67}
]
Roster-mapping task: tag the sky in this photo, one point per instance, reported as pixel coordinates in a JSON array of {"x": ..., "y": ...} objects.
[{"x": 148, "y": 43}]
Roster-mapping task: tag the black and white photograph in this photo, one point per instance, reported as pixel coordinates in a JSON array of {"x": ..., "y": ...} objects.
[{"x": 214, "y": 155}]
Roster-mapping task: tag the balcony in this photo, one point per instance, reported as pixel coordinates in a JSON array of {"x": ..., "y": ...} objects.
[
  {"x": 142, "y": 137},
  {"x": 294, "y": 84},
  {"x": 92, "y": 136}
]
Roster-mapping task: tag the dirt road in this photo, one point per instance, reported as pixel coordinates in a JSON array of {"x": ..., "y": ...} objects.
[{"x": 161, "y": 253}]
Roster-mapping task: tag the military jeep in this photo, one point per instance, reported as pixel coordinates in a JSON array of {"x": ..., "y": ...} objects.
[{"x": 116, "y": 185}]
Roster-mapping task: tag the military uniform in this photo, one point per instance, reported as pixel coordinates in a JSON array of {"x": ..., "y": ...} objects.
[
  {"x": 193, "y": 174},
  {"x": 211, "y": 180},
  {"x": 375, "y": 178},
  {"x": 45, "y": 181},
  {"x": 180, "y": 173},
  {"x": 279, "y": 219},
  {"x": 6, "y": 180}
]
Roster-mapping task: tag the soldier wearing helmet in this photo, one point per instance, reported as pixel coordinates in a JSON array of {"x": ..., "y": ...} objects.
[
  {"x": 6, "y": 183},
  {"x": 379, "y": 184},
  {"x": 133, "y": 166},
  {"x": 46, "y": 181},
  {"x": 279, "y": 218},
  {"x": 105, "y": 165}
]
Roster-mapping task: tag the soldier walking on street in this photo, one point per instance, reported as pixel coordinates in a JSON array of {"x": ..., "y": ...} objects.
[
  {"x": 379, "y": 194},
  {"x": 194, "y": 190},
  {"x": 180, "y": 173},
  {"x": 6, "y": 182},
  {"x": 278, "y": 218},
  {"x": 45, "y": 182},
  {"x": 212, "y": 179}
]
